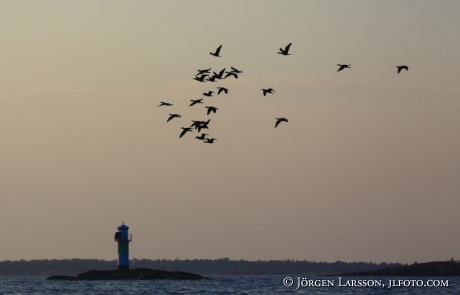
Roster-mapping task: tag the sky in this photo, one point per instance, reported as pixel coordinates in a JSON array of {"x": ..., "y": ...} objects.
[{"x": 365, "y": 169}]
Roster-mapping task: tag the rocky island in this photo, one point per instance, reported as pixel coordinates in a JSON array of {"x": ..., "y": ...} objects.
[
  {"x": 123, "y": 272},
  {"x": 130, "y": 274}
]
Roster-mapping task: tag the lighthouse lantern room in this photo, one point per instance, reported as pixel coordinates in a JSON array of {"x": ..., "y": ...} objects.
[{"x": 123, "y": 239}]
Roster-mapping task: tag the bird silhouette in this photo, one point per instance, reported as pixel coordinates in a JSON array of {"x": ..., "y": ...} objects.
[
  {"x": 185, "y": 130},
  {"x": 201, "y": 78},
  {"x": 269, "y": 90},
  {"x": 195, "y": 101},
  {"x": 172, "y": 116},
  {"x": 286, "y": 50},
  {"x": 211, "y": 109},
  {"x": 222, "y": 89},
  {"x": 217, "y": 51},
  {"x": 231, "y": 74},
  {"x": 208, "y": 94},
  {"x": 279, "y": 120},
  {"x": 201, "y": 137},
  {"x": 209, "y": 140},
  {"x": 203, "y": 125},
  {"x": 196, "y": 124},
  {"x": 236, "y": 70},
  {"x": 343, "y": 67},
  {"x": 201, "y": 72},
  {"x": 211, "y": 79},
  {"x": 219, "y": 76},
  {"x": 400, "y": 68},
  {"x": 165, "y": 104}
]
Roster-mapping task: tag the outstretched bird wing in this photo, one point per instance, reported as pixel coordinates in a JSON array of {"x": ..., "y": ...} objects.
[
  {"x": 218, "y": 49},
  {"x": 231, "y": 74},
  {"x": 221, "y": 73},
  {"x": 171, "y": 117},
  {"x": 185, "y": 130},
  {"x": 287, "y": 48}
]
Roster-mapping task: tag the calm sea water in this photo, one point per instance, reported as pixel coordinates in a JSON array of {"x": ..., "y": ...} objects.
[{"x": 240, "y": 285}]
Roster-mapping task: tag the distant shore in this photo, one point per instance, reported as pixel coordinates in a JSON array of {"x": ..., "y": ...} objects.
[
  {"x": 435, "y": 268},
  {"x": 223, "y": 266}
]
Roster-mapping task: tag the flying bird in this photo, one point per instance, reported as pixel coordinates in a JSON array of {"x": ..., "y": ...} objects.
[
  {"x": 201, "y": 72},
  {"x": 236, "y": 70},
  {"x": 208, "y": 94},
  {"x": 286, "y": 50},
  {"x": 203, "y": 125},
  {"x": 172, "y": 116},
  {"x": 217, "y": 51},
  {"x": 197, "y": 124},
  {"x": 222, "y": 89},
  {"x": 195, "y": 101},
  {"x": 165, "y": 104},
  {"x": 279, "y": 120},
  {"x": 269, "y": 90},
  {"x": 231, "y": 74},
  {"x": 201, "y": 137},
  {"x": 185, "y": 130},
  {"x": 200, "y": 78},
  {"x": 209, "y": 140},
  {"x": 400, "y": 68},
  {"x": 219, "y": 76},
  {"x": 211, "y": 109},
  {"x": 343, "y": 67}
]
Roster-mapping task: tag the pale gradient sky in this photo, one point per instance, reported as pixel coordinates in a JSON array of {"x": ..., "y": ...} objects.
[{"x": 366, "y": 169}]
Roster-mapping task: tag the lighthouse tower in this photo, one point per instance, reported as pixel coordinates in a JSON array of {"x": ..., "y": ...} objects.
[{"x": 123, "y": 239}]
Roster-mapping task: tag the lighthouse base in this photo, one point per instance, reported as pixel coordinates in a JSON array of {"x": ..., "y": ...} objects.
[{"x": 123, "y": 268}]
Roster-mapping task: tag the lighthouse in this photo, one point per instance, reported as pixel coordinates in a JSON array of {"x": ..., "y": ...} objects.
[{"x": 123, "y": 239}]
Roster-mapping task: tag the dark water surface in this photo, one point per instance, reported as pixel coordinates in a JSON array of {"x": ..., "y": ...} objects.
[{"x": 240, "y": 285}]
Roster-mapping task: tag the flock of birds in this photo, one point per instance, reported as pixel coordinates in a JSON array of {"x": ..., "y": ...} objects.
[{"x": 205, "y": 76}]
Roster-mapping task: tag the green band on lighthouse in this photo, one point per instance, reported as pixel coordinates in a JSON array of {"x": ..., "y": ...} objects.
[{"x": 123, "y": 248}]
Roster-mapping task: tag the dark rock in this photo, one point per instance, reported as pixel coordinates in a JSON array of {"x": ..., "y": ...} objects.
[{"x": 131, "y": 274}]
